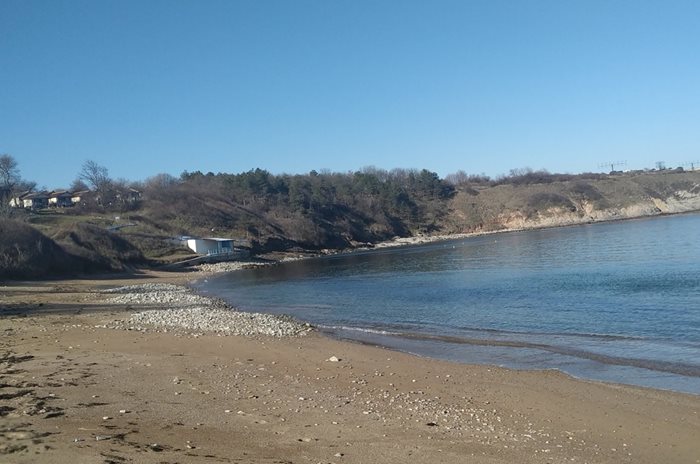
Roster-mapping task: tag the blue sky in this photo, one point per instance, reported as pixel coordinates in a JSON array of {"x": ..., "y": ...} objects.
[{"x": 144, "y": 87}]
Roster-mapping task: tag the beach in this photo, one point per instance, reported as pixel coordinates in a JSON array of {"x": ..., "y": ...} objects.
[{"x": 90, "y": 374}]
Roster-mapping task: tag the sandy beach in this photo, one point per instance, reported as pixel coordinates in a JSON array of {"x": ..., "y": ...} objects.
[{"x": 83, "y": 380}]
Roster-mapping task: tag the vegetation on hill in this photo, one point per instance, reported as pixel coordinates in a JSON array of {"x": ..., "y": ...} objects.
[
  {"x": 576, "y": 199},
  {"x": 27, "y": 253},
  {"x": 102, "y": 249},
  {"x": 131, "y": 224},
  {"x": 326, "y": 210}
]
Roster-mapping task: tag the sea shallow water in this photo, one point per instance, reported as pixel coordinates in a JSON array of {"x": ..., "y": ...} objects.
[{"x": 615, "y": 302}]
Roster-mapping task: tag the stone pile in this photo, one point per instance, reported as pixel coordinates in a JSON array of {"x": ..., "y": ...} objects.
[
  {"x": 179, "y": 309},
  {"x": 228, "y": 266}
]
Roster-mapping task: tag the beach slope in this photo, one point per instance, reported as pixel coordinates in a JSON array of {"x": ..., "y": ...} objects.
[{"x": 76, "y": 385}]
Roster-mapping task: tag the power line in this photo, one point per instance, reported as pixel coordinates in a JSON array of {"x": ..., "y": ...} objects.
[{"x": 612, "y": 165}]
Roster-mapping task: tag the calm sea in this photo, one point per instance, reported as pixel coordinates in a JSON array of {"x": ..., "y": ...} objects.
[{"x": 614, "y": 302}]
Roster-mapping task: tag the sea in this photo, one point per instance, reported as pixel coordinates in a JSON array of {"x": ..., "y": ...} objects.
[{"x": 615, "y": 302}]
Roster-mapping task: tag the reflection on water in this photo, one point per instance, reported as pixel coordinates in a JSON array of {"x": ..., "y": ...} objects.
[{"x": 617, "y": 301}]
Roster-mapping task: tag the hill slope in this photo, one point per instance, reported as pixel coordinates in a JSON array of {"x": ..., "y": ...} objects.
[
  {"x": 324, "y": 211},
  {"x": 26, "y": 253},
  {"x": 573, "y": 201}
]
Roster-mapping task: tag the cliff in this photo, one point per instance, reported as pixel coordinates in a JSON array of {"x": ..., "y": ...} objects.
[{"x": 573, "y": 202}]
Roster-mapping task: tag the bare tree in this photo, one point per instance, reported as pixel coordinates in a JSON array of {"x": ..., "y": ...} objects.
[
  {"x": 458, "y": 178},
  {"x": 160, "y": 181},
  {"x": 9, "y": 173},
  {"x": 95, "y": 175},
  {"x": 78, "y": 185},
  {"x": 9, "y": 182}
]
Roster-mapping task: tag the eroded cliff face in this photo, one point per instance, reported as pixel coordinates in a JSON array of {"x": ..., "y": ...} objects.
[{"x": 562, "y": 204}]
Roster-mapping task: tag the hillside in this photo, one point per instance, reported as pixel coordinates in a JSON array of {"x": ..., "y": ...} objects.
[
  {"x": 324, "y": 211},
  {"x": 576, "y": 201},
  {"x": 27, "y": 253}
]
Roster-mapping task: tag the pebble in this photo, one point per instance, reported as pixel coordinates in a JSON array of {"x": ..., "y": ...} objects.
[
  {"x": 334, "y": 359},
  {"x": 182, "y": 309}
]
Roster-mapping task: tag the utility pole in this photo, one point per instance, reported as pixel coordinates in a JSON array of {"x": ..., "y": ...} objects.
[
  {"x": 612, "y": 165},
  {"x": 692, "y": 164}
]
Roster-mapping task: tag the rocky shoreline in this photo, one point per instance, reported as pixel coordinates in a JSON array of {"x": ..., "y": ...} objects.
[{"x": 176, "y": 308}]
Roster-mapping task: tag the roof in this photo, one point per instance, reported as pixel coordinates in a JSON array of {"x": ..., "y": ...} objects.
[
  {"x": 60, "y": 193},
  {"x": 37, "y": 195}
]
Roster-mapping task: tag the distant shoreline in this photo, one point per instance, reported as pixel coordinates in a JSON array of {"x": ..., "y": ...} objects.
[{"x": 425, "y": 239}]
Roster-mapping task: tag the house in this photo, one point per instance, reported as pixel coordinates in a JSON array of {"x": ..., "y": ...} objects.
[
  {"x": 60, "y": 199},
  {"x": 17, "y": 200},
  {"x": 130, "y": 195},
  {"x": 36, "y": 200},
  {"x": 211, "y": 246},
  {"x": 79, "y": 197}
]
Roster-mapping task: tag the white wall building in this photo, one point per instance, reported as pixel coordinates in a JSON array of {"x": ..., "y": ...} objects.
[{"x": 210, "y": 246}]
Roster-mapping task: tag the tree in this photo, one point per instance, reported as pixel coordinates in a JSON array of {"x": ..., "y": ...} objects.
[
  {"x": 9, "y": 174},
  {"x": 10, "y": 182},
  {"x": 95, "y": 175},
  {"x": 78, "y": 185},
  {"x": 458, "y": 178},
  {"x": 160, "y": 181}
]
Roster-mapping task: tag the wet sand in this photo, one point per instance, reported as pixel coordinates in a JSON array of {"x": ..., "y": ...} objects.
[{"x": 73, "y": 391}]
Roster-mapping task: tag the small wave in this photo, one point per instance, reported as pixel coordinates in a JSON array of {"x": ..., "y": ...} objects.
[
  {"x": 358, "y": 329},
  {"x": 689, "y": 370},
  {"x": 600, "y": 336},
  {"x": 684, "y": 369}
]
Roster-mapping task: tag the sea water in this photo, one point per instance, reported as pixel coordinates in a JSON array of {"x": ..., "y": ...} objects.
[{"x": 614, "y": 302}]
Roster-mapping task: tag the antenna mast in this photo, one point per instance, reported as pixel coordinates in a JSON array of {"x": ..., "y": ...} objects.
[
  {"x": 612, "y": 165},
  {"x": 693, "y": 165}
]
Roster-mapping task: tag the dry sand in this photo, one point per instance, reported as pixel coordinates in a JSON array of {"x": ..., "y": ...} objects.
[{"x": 72, "y": 391}]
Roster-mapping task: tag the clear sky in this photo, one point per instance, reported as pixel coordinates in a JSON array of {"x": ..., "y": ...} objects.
[{"x": 144, "y": 87}]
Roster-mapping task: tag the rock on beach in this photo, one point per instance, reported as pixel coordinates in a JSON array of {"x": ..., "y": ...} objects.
[{"x": 178, "y": 308}]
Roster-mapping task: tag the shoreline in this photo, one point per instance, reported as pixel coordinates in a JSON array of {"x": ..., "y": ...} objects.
[
  {"x": 427, "y": 239},
  {"x": 660, "y": 369},
  {"x": 85, "y": 392},
  {"x": 657, "y": 372},
  {"x": 418, "y": 240},
  {"x": 186, "y": 282},
  {"x": 192, "y": 276}
]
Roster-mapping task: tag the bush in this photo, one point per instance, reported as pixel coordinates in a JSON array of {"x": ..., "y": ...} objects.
[
  {"x": 103, "y": 249},
  {"x": 544, "y": 201},
  {"x": 27, "y": 253}
]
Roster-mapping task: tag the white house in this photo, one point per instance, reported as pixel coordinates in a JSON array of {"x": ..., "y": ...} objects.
[
  {"x": 30, "y": 200},
  {"x": 80, "y": 196},
  {"x": 60, "y": 198},
  {"x": 17, "y": 201},
  {"x": 211, "y": 246}
]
